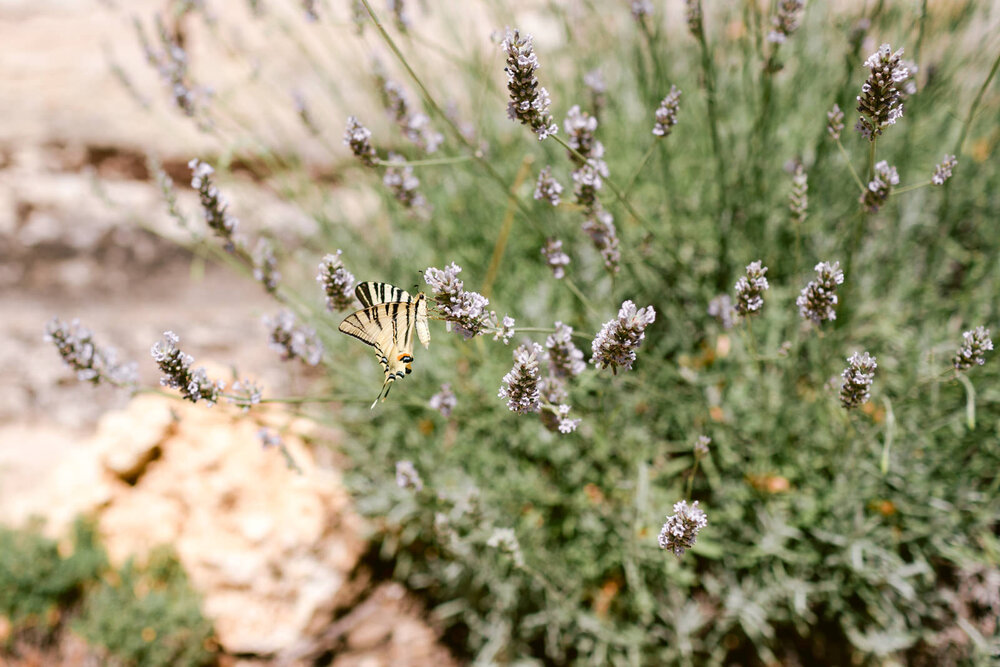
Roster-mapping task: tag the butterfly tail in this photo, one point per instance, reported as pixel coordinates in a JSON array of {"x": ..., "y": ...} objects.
[{"x": 384, "y": 391}]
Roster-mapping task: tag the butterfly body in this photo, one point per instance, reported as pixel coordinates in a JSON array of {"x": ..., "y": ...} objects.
[{"x": 387, "y": 321}]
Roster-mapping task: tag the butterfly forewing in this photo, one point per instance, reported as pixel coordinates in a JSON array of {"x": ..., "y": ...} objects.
[{"x": 372, "y": 293}]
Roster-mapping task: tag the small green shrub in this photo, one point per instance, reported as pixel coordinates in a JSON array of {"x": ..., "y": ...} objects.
[
  {"x": 36, "y": 581},
  {"x": 148, "y": 616}
]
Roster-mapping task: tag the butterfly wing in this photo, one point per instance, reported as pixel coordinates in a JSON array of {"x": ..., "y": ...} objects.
[
  {"x": 388, "y": 327},
  {"x": 372, "y": 293}
]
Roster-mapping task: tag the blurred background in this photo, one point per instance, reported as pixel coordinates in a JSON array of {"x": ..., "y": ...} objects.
[{"x": 143, "y": 530}]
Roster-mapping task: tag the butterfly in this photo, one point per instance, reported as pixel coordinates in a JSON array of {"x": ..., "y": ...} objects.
[{"x": 386, "y": 321}]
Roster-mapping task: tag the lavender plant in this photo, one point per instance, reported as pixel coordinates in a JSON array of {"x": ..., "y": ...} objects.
[{"x": 574, "y": 499}]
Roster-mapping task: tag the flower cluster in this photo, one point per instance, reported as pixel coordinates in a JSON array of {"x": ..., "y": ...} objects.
[
  {"x": 879, "y": 187},
  {"x": 858, "y": 377},
  {"x": 835, "y": 121},
  {"x": 293, "y": 341},
  {"x": 595, "y": 84},
  {"x": 879, "y": 102},
  {"x": 682, "y": 527},
  {"x": 666, "y": 113},
  {"x": 214, "y": 206},
  {"x": 172, "y": 65},
  {"x": 309, "y": 8},
  {"x": 466, "y": 310},
  {"x": 337, "y": 282},
  {"x": 617, "y": 341},
  {"x": 407, "y": 476},
  {"x": 504, "y": 540},
  {"x": 555, "y": 417},
  {"x": 503, "y": 330},
  {"x": 415, "y": 125},
  {"x": 750, "y": 289},
  {"x": 555, "y": 258},
  {"x": 91, "y": 362},
  {"x": 975, "y": 344},
  {"x": 548, "y": 187},
  {"x": 269, "y": 439},
  {"x": 246, "y": 394},
  {"x": 520, "y": 385},
  {"x": 399, "y": 15},
  {"x": 444, "y": 401},
  {"x": 693, "y": 15},
  {"x": 721, "y": 308},
  {"x": 701, "y": 446},
  {"x": 194, "y": 385},
  {"x": 786, "y": 21},
  {"x": 265, "y": 266},
  {"x": 529, "y": 103},
  {"x": 641, "y": 8},
  {"x": 580, "y": 126},
  {"x": 798, "y": 199},
  {"x": 358, "y": 137},
  {"x": 818, "y": 299},
  {"x": 403, "y": 185},
  {"x": 942, "y": 172},
  {"x": 565, "y": 358}
]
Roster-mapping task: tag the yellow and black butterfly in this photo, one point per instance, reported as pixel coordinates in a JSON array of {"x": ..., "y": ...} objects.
[{"x": 386, "y": 321}]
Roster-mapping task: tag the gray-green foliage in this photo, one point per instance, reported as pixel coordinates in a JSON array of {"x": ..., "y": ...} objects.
[
  {"x": 148, "y": 615},
  {"x": 831, "y": 536},
  {"x": 37, "y": 583}
]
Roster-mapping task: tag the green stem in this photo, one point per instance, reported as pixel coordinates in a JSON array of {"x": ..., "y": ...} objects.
[
  {"x": 690, "y": 482},
  {"x": 505, "y": 227},
  {"x": 908, "y": 188},
  {"x": 638, "y": 168},
  {"x": 619, "y": 195},
  {"x": 847, "y": 161},
  {"x": 871, "y": 159},
  {"x": 975, "y": 106},
  {"x": 426, "y": 163}
]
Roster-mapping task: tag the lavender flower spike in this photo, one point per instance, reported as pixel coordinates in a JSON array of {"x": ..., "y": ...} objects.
[
  {"x": 681, "y": 528},
  {"x": 750, "y": 289},
  {"x": 942, "y": 172},
  {"x": 358, "y": 137},
  {"x": 555, "y": 258},
  {"x": 466, "y": 310},
  {"x": 444, "y": 401},
  {"x": 565, "y": 359},
  {"x": 877, "y": 192},
  {"x": 787, "y": 20},
  {"x": 817, "y": 300},
  {"x": 407, "y": 476},
  {"x": 835, "y": 121},
  {"x": 214, "y": 206},
  {"x": 293, "y": 341},
  {"x": 666, "y": 113},
  {"x": 548, "y": 187},
  {"x": 92, "y": 363},
  {"x": 618, "y": 339},
  {"x": 975, "y": 344},
  {"x": 858, "y": 377},
  {"x": 880, "y": 101},
  {"x": 520, "y": 385},
  {"x": 194, "y": 385},
  {"x": 337, "y": 282},
  {"x": 529, "y": 103}
]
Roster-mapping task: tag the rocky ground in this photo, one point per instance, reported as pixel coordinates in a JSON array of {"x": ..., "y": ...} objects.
[{"x": 84, "y": 234}]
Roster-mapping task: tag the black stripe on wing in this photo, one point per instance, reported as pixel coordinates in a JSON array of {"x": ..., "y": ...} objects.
[
  {"x": 365, "y": 324},
  {"x": 372, "y": 293}
]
